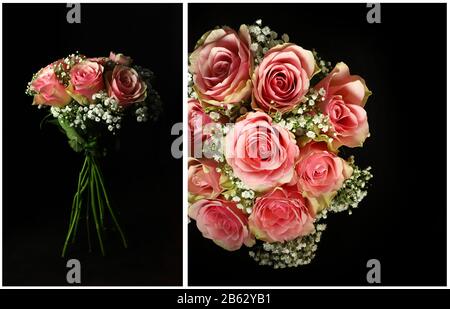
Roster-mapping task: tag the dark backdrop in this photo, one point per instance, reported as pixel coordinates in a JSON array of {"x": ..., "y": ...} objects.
[
  {"x": 41, "y": 170},
  {"x": 402, "y": 220}
]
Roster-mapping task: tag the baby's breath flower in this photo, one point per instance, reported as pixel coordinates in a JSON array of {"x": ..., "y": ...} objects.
[
  {"x": 254, "y": 47},
  {"x": 266, "y": 30},
  {"x": 311, "y": 134},
  {"x": 316, "y": 119},
  {"x": 236, "y": 199},
  {"x": 261, "y": 38},
  {"x": 214, "y": 116},
  {"x": 78, "y": 116},
  {"x": 351, "y": 193},
  {"x": 293, "y": 253}
]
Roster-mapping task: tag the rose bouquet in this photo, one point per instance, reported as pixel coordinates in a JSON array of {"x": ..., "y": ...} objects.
[
  {"x": 267, "y": 120},
  {"x": 88, "y": 99}
]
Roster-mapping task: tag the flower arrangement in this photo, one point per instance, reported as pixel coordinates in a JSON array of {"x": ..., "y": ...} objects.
[
  {"x": 267, "y": 120},
  {"x": 88, "y": 98}
]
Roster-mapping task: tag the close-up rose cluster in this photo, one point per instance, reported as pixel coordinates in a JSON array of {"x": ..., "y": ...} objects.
[{"x": 281, "y": 121}]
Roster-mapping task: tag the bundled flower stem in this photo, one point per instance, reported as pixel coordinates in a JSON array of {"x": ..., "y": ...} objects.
[{"x": 91, "y": 193}]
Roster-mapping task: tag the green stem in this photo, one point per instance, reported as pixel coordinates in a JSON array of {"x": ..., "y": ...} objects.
[
  {"x": 99, "y": 200},
  {"x": 76, "y": 220},
  {"x": 88, "y": 228},
  {"x": 93, "y": 206},
  {"x": 99, "y": 176},
  {"x": 75, "y": 207},
  {"x": 79, "y": 199},
  {"x": 81, "y": 177},
  {"x": 72, "y": 224}
]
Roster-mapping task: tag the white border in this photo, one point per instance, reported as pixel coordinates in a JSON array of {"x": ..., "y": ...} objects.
[{"x": 185, "y": 155}]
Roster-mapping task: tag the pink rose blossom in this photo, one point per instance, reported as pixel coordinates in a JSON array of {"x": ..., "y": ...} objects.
[
  {"x": 281, "y": 215},
  {"x": 86, "y": 78},
  {"x": 344, "y": 103},
  {"x": 120, "y": 59},
  {"x": 261, "y": 154},
  {"x": 203, "y": 179},
  {"x": 125, "y": 85},
  {"x": 221, "y": 66},
  {"x": 282, "y": 78},
  {"x": 320, "y": 173},
  {"x": 197, "y": 120},
  {"x": 221, "y": 221},
  {"x": 49, "y": 90}
]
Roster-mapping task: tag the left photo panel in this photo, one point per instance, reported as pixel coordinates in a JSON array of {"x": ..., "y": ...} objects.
[{"x": 92, "y": 175}]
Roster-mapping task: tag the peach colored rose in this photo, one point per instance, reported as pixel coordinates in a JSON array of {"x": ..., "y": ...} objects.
[
  {"x": 261, "y": 154},
  {"x": 125, "y": 85},
  {"x": 221, "y": 66},
  {"x": 49, "y": 90},
  {"x": 120, "y": 59},
  {"x": 197, "y": 120},
  {"x": 282, "y": 78},
  {"x": 320, "y": 174},
  {"x": 203, "y": 179},
  {"x": 281, "y": 215},
  {"x": 344, "y": 103},
  {"x": 221, "y": 221},
  {"x": 86, "y": 78}
]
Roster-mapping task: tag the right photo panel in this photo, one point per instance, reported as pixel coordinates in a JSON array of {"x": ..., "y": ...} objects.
[{"x": 317, "y": 144}]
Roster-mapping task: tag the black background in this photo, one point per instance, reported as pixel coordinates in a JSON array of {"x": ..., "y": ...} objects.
[
  {"x": 41, "y": 170},
  {"x": 402, "y": 220}
]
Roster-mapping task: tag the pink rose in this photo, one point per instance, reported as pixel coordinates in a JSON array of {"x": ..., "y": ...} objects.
[
  {"x": 125, "y": 85},
  {"x": 281, "y": 215},
  {"x": 49, "y": 90},
  {"x": 197, "y": 120},
  {"x": 344, "y": 103},
  {"x": 86, "y": 78},
  {"x": 203, "y": 179},
  {"x": 221, "y": 66},
  {"x": 282, "y": 78},
  {"x": 320, "y": 174},
  {"x": 120, "y": 59},
  {"x": 222, "y": 222},
  {"x": 261, "y": 154}
]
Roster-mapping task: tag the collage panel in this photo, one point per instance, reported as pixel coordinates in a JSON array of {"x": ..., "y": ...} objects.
[
  {"x": 307, "y": 172},
  {"x": 89, "y": 103}
]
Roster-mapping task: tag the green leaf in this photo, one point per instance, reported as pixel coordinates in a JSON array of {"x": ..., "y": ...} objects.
[
  {"x": 76, "y": 146},
  {"x": 75, "y": 140}
]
